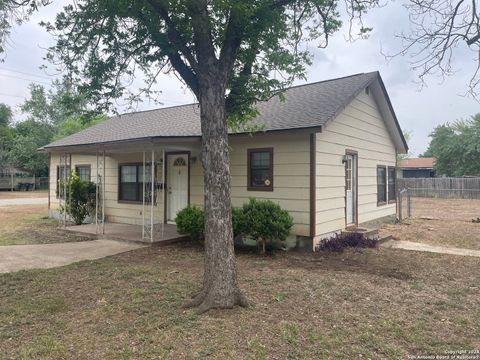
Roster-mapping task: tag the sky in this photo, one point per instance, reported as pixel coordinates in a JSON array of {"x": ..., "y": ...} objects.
[{"x": 419, "y": 109}]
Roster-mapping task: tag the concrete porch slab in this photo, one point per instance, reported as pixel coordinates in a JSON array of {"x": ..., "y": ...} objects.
[{"x": 132, "y": 233}]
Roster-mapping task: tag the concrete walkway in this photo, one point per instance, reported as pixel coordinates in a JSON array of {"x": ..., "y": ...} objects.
[
  {"x": 409, "y": 245},
  {"x": 24, "y": 201},
  {"x": 23, "y": 257}
]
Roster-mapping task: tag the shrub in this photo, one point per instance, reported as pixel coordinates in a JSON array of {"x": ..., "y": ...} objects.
[
  {"x": 191, "y": 221},
  {"x": 339, "y": 242},
  {"x": 80, "y": 200},
  {"x": 264, "y": 221}
]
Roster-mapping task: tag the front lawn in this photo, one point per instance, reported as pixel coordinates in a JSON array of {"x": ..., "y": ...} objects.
[
  {"x": 378, "y": 304},
  {"x": 29, "y": 224}
]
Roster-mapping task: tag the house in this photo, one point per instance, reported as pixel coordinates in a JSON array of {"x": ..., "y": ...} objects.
[
  {"x": 327, "y": 155},
  {"x": 417, "y": 168}
]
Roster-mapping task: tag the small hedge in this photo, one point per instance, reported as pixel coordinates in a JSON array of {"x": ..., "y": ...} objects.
[
  {"x": 262, "y": 220},
  {"x": 339, "y": 242},
  {"x": 81, "y": 198},
  {"x": 265, "y": 222},
  {"x": 191, "y": 221}
]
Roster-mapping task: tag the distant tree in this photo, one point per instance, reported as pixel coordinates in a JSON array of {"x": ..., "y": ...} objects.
[
  {"x": 29, "y": 135},
  {"x": 73, "y": 125},
  {"x": 6, "y": 115},
  {"x": 62, "y": 102},
  {"x": 407, "y": 134},
  {"x": 52, "y": 115},
  {"x": 456, "y": 147}
]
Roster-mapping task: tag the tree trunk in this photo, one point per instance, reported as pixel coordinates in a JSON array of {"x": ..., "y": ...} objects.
[{"x": 220, "y": 285}]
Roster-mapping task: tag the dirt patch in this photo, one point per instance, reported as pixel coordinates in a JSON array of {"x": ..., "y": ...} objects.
[
  {"x": 447, "y": 209},
  {"x": 23, "y": 194},
  {"x": 453, "y": 233},
  {"x": 378, "y": 304},
  {"x": 29, "y": 224}
]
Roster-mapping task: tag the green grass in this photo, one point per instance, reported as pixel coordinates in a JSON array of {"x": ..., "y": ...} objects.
[{"x": 342, "y": 306}]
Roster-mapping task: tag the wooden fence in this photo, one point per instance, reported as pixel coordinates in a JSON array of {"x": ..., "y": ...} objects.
[{"x": 446, "y": 188}]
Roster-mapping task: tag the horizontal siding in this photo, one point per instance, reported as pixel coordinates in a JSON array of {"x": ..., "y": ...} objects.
[
  {"x": 291, "y": 180},
  {"x": 358, "y": 127},
  {"x": 291, "y": 175}
]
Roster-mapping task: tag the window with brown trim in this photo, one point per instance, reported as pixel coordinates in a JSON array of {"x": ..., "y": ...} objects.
[
  {"x": 392, "y": 184},
  {"x": 381, "y": 185},
  {"x": 130, "y": 182},
  {"x": 260, "y": 169},
  {"x": 83, "y": 172}
]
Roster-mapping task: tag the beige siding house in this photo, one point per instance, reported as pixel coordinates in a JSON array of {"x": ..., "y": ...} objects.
[{"x": 327, "y": 155}]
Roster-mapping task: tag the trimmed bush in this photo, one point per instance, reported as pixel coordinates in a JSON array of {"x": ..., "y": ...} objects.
[
  {"x": 191, "y": 221},
  {"x": 339, "y": 242},
  {"x": 265, "y": 222},
  {"x": 80, "y": 200}
]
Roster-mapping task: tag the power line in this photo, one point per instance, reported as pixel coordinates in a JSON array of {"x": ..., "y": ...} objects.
[
  {"x": 18, "y": 96},
  {"x": 24, "y": 73},
  {"x": 25, "y": 79}
]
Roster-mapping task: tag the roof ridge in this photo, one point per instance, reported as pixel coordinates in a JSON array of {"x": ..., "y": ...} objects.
[{"x": 334, "y": 79}]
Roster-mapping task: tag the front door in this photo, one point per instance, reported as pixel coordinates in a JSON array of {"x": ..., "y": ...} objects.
[
  {"x": 177, "y": 184},
  {"x": 350, "y": 188}
]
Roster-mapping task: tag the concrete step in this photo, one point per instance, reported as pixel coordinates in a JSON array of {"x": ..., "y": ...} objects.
[{"x": 368, "y": 233}]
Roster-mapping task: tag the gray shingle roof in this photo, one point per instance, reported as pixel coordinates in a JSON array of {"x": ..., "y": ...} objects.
[{"x": 305, "y": 106}]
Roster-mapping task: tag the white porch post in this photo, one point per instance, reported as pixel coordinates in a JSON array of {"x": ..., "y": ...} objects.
[
  {"x": 143, "y": 198},
  {"x": 96, "y": 195},
  {"x": 64, "y": 170},
  {"x": 164, "y": 166},
  {"x": 103, "y": 194},
  {"x": 152, "y": 197}
]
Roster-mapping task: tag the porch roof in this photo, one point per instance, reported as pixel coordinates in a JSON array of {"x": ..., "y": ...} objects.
[{"x": 305, "y": 106}]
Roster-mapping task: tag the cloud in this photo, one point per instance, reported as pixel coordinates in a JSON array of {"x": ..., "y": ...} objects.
[{"x": 418, "y": 110}]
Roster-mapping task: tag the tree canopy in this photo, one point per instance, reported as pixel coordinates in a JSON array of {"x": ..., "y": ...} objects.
[
  {"x": 51, "y": 115},
  {"x": 456, "y": 147}
]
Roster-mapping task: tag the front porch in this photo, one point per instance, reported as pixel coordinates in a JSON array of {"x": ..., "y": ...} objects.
[{"x": 163, "y": 233}]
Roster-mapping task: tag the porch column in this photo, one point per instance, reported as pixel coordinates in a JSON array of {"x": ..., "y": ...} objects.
[
  {"x": 103, "y": 197},
  {"x": 100, "y": 190},
  {"x": 143, "y": 197},
  {"x": 152, "y": 197},
  {"x": 163, "y": 192}
]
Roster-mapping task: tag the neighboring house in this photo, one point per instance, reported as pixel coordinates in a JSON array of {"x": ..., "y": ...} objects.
[
  {"x": 327, "y": 155},
  {"x": 417, "y": 168},
  {"x": 15, "y": 179}
]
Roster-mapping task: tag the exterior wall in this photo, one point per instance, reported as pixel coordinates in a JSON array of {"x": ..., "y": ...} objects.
[
  {"x": 115, "y": 211},
  {"x": 291, "y": 182},
  {"x": 358, "y": 127},
  {"x": 291, "y": 175}
]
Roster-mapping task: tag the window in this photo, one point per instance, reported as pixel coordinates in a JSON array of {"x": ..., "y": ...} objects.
[
  {"x": 392, "y": 176},
  {"x": 381, "y": 185},
  {"x": 83, "y": 172},
  {"x": 260, "y": 169},
  {"x": 131, "y": 182},
  {"x": 348, "y": 171}
]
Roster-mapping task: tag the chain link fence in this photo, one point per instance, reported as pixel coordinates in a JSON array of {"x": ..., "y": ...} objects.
[{"x": 442, "y": 198}]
